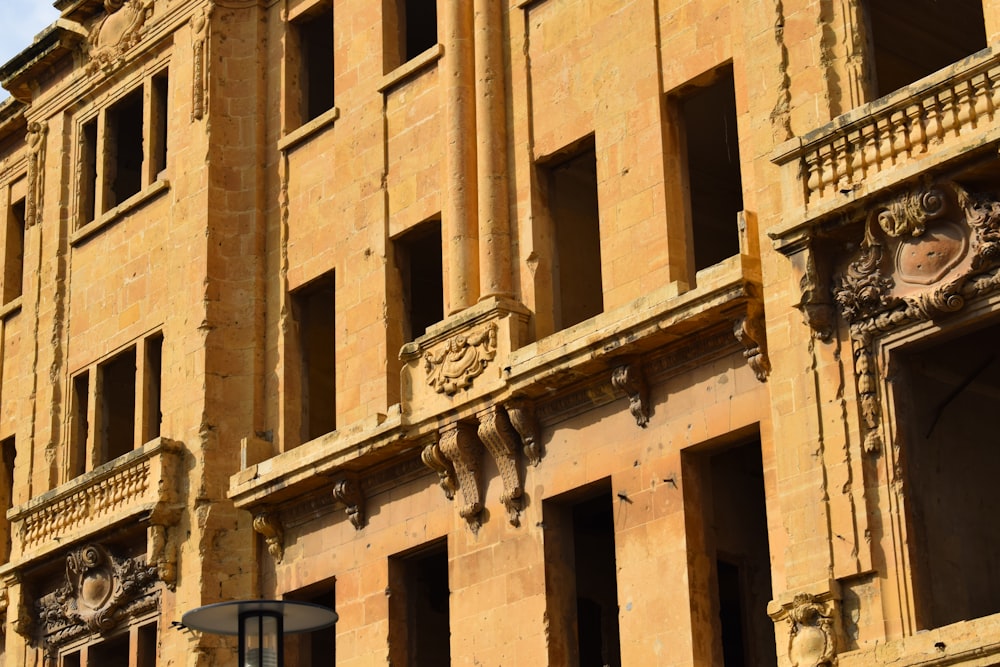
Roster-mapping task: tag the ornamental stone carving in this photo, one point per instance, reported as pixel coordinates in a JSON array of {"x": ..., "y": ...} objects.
[
  {"x": 347, "y": 491},
  {"x": 502, "y": 442},
  {"x": 459, "y": 446},
  {"x": 463, "y": 358},
  {"x": 923, "y": 256},
  {"x": 628, "y": 378},
  {"x": 269, "y": 525},
  {"x": 37, "y": 133},
  {"x": 812, "y": 638},
  {"x": 116, "y": 32},
  {"x": 750, "y": 332},
  {"x": 97, "y": 595},
  {"x": 522, "y": 417}
]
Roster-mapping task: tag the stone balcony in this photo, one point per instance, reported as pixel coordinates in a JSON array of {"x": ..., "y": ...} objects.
[
  {"x": 923, "y": 127},
  {"x": 142, "y": 485}
]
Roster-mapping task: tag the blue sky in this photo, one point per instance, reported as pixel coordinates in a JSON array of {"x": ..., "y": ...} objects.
[{"x": 20, "y": 21}]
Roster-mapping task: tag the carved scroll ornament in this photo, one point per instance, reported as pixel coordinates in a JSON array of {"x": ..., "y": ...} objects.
[
  {"x": 458, "y": 444},
  {"x": 463, "y": 358},
  {"x": 628, "y": 378},
  {"x": 502, "y": 442},
  {"x": 523, "y": 419},
  {"x": 97, "y": 590},
  {"x": 268, "y": 524},
  {"x": 750, "y": 332},
  {"x": 923, "y": 256},
  {"x": 347, "y": 491},
  {"x": 812, "y": 640},
  {"x": 118, "y": 31}
]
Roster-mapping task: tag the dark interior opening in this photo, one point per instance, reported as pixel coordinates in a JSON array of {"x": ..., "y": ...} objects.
[
  {"x": 81, "y": 424},
  {"x": 319, "y": 648},
  {"x": 88, "y": 175},
  {"x": 570, "y": 188},
  {"x": 153, "y": 390},
  {"x": 124, "y": 164},
  {"x": 419, "y": 626},
  {"x": 951, "y": 461},
  {"x": 418, "y": 257},
  {"x": 8, "y": 453},
  {"x": 913, "y": 38},
  {"x": 315, "y": 308},
  {"x": 713, "y": 169},
  {"x": 420, "y": 18},
  {"x": 118, "y": 406},
  {"x": 146, "y": 650},
  {"x": 13, "y": 273},
  {"x": 160, "y": 88},
  {"x": 316, "y": 40},
  {"x": 109, "y": 653}
]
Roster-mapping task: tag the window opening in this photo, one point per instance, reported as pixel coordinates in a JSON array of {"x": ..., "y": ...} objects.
[
  {"x": 418, "y": 258},
  {"x": 88, "y": 175},
  {"x": 13, "y": 275},
  {"x": 319, "y": 648},
  {"x": 570, "y": 190},
  {"x": 109, "y": 653},
  {"x": 81, "y": 424},
  {"x": 123, "y": 160},
  {"x": 715, "y": 188},
  {"x": 315, "y": 307},
  {"x": 419, "y": 630},
  {"x": 152, "y": 378},
  {"x": 117, "y": 407},
  {"x": 410, "y": 29},
  {"x": 950, "y": 464},
  {"x": 159, "y": 123},
  {"x": 8, "y": 454},
  {"x": 315, "y": 35},
  {"x": 581, "y": 579},
  {"x": 728, "y": 497},
  {"x": 914, "y": 38}
]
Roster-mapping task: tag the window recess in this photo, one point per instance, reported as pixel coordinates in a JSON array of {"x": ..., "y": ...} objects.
[{"x": 409, "y": 28}]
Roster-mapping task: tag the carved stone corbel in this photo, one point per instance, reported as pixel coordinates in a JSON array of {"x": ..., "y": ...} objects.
[
  {"x": 162, "y": 554},
  {"x": 501, "y": 440},
  {"x": 436, "y": 461},
  {"x": 522, "y": 417},
  {"x": 749, "y": 331},
  {"x": 268, "y": 524},
  {"x": 459, "y": 445},
  {"x": 815, "y": 305},
  {"x": 812, "y": 636},
  {"x": 347, "y": 491},
  {"x": 628, "y": 378}
]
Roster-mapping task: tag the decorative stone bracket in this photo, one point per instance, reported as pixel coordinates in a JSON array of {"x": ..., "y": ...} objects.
[
  {"x": 268, "y": 524},
  {"x": 522, "y": 417},
  {"x": 456, "y": 455},
  {"x": 750, "y": 332},
  {"x": 628, "y": 378},
  {"x": 348, "y": 491},
  {"x": 812, "y": 628}
]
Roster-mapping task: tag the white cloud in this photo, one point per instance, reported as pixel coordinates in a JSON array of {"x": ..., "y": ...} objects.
[{"x": 20, "y": 21}]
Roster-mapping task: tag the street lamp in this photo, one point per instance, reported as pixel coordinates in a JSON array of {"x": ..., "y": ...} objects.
[{"x": 261, "y": 625}]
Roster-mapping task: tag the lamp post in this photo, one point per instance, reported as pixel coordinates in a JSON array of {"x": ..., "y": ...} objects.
[{"x": 261, "y": 625}]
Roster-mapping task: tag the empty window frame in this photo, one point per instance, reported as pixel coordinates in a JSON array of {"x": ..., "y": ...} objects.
[
  {"x": 116, "y": 405},
  {"x": 569, "y": 187},
  {"x": 913, "y": 38},
  {"x": 711, "y": 159},
  {"x": 418, "y": 260},
  {"x": 312, "y": 59},
  {"x": 13, "y": 249},
  {"x": 319, "y": 648},
  {"x": 724, "y": 497},
  {"x": 581, "y": 583},
  {"x": 950, "y": 463},
  {"x": 123, "y": 149},
  {"x": 410, "y": 28},
  {"x": 8, "y": 454},
  {"x": 315, "y": 310},
  {"x": 419, "y": 626},
  {"x": 135, "y": 648}
]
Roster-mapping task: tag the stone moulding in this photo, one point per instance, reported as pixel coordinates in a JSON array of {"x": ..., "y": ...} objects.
[
  {"x": 100, "y": 591},
  {"x": 461, "y": 359},
  {"x": 142, "y": 482},
  {"x": 924, "y": 255},
  {"x": 837, "y": 159}
]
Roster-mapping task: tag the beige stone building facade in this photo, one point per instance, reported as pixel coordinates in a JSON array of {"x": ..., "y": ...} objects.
[{"x": 520, "y": 332}]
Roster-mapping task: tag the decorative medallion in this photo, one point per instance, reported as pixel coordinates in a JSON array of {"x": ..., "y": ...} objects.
[
  {"x": 119, "y": 30},
  {"x": 812, "y": 640},
  {"x": 463, "y": 358},
  {"x": 98, "y": 590}
]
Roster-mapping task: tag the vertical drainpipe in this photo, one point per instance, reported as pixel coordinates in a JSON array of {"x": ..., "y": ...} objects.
[
  {"x": 459, "y": 217},
  {"x": 491, "y": 140}
]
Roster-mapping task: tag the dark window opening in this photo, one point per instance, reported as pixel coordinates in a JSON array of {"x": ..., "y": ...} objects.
[
  {"x": 13, "y": 268},
  {"x": 315, "y": 309},
  {"x": 124, "y": 144},
  {"x": 316, "y": 54},
  {"x": 418, "y": 257},
  {"x": 950, "y": 463},
  {"x": 88, "y": 173},
  {"x": 319, "y": 648},
  {"x": 81, "y": 424},
  {"x": 109, "y": 653},
  {"x": 581, "y": 580},
  {"x": 146, "y": 653},
  {"x": 159, "y": 120},
  {"x": 727, "y": 491},
  {"x": 713, "y": 170},
  {"x": 8, "y": 453},
  {"x": 419, "y": 630},
  {"x": 71, "y": 660},
  {"x": 152, "y": 417},
  {"x": 117, "y": 407},
  {"x": 570, "y": 189},
  {"x": 914, "y": 38},
  {"x": 410, "y": 29}
]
